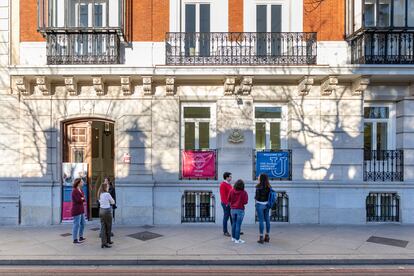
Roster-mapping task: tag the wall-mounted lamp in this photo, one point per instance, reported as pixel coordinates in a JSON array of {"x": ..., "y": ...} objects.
[{"x": 107, "y": 130}]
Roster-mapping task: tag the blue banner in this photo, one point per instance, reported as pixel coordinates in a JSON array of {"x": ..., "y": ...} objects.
[{"x": 274, "y": 164}]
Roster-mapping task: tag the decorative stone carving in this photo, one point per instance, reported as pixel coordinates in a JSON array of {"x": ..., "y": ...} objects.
[
  {"x": 360, "y": 85},
  {"x": 329, "y": 85},
  {"x": 43, "y": 85},
  {"x": 246, "y": 85},
  {"x": 229, "y": 84},
  {"x": 147, "y": 85},
  {"x": 170, "y": 86},
  {"x": 22, "y": 86},
  {"x": 71, "y": 86},
  {"x": 126, "y": 86},
  {"x": 236, "y": 136},
  {"x": 98, "y": 86},
  {"x": 305, "y": 85}
]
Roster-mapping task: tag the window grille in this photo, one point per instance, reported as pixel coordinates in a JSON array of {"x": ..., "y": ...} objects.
[
  {"x": 198, "y": 206},
  {"x": 280, "y": 211},
  {"x": 383, "y": 207}
]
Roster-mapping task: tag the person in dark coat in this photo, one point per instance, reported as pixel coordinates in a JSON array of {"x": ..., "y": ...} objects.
[{"x": 78, "y": 211}]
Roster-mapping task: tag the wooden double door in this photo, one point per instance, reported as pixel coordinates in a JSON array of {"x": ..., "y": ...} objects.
[{"x": 91, "y": 142}]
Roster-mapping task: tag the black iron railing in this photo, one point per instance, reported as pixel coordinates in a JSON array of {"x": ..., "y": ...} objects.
[
  {"x": 83, "y": 47},
  {"x": 278, "y": 166},
  {"x": 234, "y": 48},
  {"x": 378, "y": 46},
  {"x": 280, "y": 210},
  {"x": 383, "y": 165},
  {"x": 383, "y": 207},
  {"x": 198, "y": 206}
]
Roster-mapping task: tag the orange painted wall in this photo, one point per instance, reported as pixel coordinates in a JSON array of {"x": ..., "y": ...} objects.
[
  {"x": 28, "y": 21},
  {"x": 235, "y": 15},
  {"x": 326, "y": 17}
]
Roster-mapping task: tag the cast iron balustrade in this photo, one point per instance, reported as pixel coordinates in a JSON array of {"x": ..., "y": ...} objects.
[
  {"x": 198, "y": 206},
  {"x": 383, "y": 207},
  {"x": 383, "y": 165},
  {"x": 236, "y": 48},
  {"x": 83, "y": 47},
  {"x": 280, "y": 211},
  {"x": 378, "y": 46}
]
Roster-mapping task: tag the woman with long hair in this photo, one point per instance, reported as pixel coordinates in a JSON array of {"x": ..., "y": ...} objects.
[
  {"x": 78, "y": 211},
  {"x": 105, "y": 214},
  {"x": 238, "y": 198},
  {"x": 262, "y": 207}
]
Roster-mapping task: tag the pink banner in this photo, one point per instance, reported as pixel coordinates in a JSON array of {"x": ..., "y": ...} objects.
[{"x": 198, "y": 164}]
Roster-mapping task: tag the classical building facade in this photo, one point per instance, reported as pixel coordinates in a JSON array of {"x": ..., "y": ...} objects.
[{"x": 164, "y": 96}]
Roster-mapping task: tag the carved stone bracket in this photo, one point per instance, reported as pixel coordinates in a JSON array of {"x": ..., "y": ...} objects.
[
  {"x": 360, "y": 85},
  {"x": 98, "y": 86},
  {"x": 71, "y": 86},
  {"x": 170, "y": 86},
  {"x": 22, "y": 86},
  {"x": 305, "y": 85},
  {"x": 329, "y": 85},
  {"x": 126, "y": 86},
  {"x": 246, "y": 85},
  {"x": 229, "y": 85},
  {"x": 43, "y": 85},
  {"x": 147, "y": 85}
]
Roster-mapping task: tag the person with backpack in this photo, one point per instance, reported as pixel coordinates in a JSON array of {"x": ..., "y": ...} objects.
[
  {"x": 238, "y": 198},
  {"x": 265, "y": 198}
]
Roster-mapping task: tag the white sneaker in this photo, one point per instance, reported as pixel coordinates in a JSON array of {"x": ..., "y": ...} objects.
[
  {"x": 233, "y": 239},
  {"x": 240, "y": 241}
]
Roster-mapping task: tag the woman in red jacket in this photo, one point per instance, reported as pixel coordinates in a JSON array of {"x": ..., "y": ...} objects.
[
  {"x": 78, "y": 198},
  {"x": 237, "y": 199}
]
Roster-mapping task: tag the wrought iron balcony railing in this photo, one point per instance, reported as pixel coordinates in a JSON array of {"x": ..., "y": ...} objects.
[
  {"x": 235, "y": 48},
  {"x": 383, "y": 165},
  {"x": 83, "y": 46},
  {"x": 378, "y": 46}
]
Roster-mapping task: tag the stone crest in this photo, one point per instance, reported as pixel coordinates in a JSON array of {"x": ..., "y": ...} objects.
[{"x": 236, "y": 136}]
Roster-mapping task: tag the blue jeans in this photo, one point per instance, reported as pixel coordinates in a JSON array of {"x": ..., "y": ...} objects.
[
  {"x": 78, "y": 226},
  {"x": 226, "y": 216},
  {"x": 263, "y": 216},
  {"x": 237, "y": 217}
]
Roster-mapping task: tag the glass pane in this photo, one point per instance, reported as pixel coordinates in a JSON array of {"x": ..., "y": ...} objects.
[
  {"x": 384, "y": 13},
  {"x": 260, "y": 135},
  {"x": 369, "y": 13},
  {"x": 95, "y": 144},
  {"x": 268, "y": 112},
  {"x": 382, "y": 139},
  {"x": 98, "y": 15},
  {"x": 204, "y": 135},
  {"x": 83, "y": 15},
  {"x": 275, "y": 136},
  {"x": 205, "y": 30},
  {"x": 410, "y": 15},
  {"x": 189, "y": 137},
  {"x": 399, "y": 13},
  {"x": 78, "y": 155},
  {"x": 261, "y": 29},
  {"x": 367, "y": 141},
  {"x": 376, "y": 112},
  {"x": 197, "y": 112}
]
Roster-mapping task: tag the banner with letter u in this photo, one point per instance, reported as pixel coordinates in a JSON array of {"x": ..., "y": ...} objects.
[
  {"x": 273, "y": 163},
  {"x": 198, "y": 164}
]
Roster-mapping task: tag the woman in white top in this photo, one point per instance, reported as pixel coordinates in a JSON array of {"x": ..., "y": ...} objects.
[{"x": 105, "y": 214}]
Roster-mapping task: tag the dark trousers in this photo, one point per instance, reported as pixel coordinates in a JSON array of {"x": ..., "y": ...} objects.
[
  {"x": 106, "y": 224},
  {"x": 226, "y": 216}
]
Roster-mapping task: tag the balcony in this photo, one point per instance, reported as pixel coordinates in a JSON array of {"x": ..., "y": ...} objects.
[
  {"x": 83, "y": 47},
  {"x": 380, "y": 46},
  {"x": 241, "y": 48},
  {"x": 383, "y": 165}
]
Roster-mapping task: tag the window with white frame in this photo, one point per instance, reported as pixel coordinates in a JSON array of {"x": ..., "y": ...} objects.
[
  {"x": 268, "y": 20},
  {"x": 197, "y": 20},
  {"x": 88, "y": 13},
  {"x": 198, "y": 127},
  {"x": 386, "y": 13},
  {"x": 270, "y": 127},
  {"x": 379, "y": 128}
]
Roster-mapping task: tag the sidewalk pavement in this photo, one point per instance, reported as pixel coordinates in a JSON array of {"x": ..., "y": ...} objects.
[{"x": 205, "y": 244}]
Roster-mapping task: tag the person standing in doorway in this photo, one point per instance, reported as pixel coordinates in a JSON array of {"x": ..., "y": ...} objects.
[
  {"x": 78, "y": 211},
  {"x": 238, "y": 198},
  {"x": 262, "y": 208},
  {"x": 225, "y": 188},
  {"x": 105, "y": 214}
]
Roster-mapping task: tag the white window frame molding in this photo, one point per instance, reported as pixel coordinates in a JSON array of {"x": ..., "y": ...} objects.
[
  {"x": 283, "y": 124},
  {"x": 391, "y": 123},
  {"x": 292, "y": 14},
  {"x": 104, "y": 4},
  {"x": 211, "y": 121}
]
